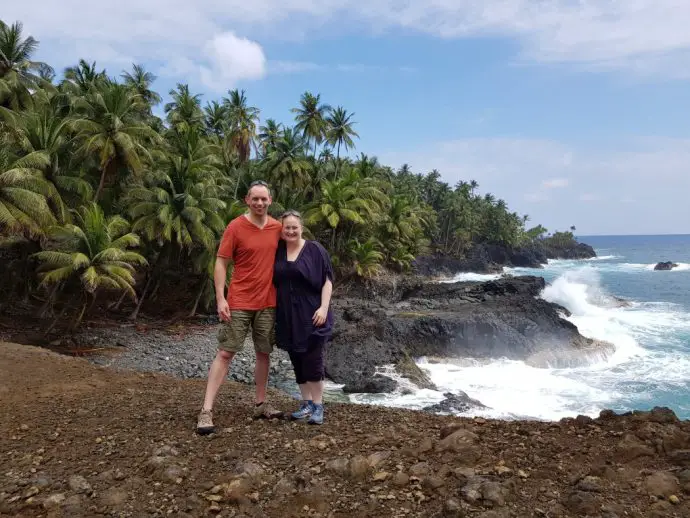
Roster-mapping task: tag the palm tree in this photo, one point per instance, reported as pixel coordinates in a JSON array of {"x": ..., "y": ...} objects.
[
  {"x": 215, "y": 118},
  {"x": 179, "y": 201},
  {"x": 44, "y": 130},
  {"x": 23, "y": 206},
  {"x": 179, "y": 206},
  {"x": 286, "y": 165},
  {"x": 243, "y": 120},
  {"x": 185, "y": 108},
  {"x": 18, "y": 73},
  {"x": 109, "y": 131},
  {"x": 344, "y": 200},
  {"x": 311, "y": 118},
  {"x": 340, "y": 132},
  {"x": 366, "y": 257},
  {"x": 140, "y": 81},
  {"x": 269, "y": 134},
  {"x": 83, "y": 77},
  {"x": 92, "y": 256}
]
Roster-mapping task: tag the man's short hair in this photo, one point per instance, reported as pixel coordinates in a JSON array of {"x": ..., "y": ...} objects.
[{"x": 260, "y": 183}]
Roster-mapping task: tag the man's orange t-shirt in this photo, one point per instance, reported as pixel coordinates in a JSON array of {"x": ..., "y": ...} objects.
[{"x": 252, "y": 250}]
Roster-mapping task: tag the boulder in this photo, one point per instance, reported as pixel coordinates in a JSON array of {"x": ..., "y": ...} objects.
[
  {"x": 665, "y": 266},
  {"x": 374, "y": 385},
  {"x": 455, "y": 404}
]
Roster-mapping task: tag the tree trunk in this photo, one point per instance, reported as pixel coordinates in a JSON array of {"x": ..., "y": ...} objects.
[
  {"x": 44, "y": 308},
  {"x": 198, "y": 298},
  {"x": 337, "y": 161},
  {"x": 80, "y": 315},
  {"x": 97, "y": 196},
  {"x": 135, "y": 313},
  {"x": 57, "y": 319},
  {"x": 117, "y": 305}
]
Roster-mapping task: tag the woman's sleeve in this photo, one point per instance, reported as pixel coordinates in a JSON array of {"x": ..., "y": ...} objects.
[{"x": 326, "y": 266}]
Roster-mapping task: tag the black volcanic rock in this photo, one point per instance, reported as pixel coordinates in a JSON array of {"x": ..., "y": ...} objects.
[
  {"x": 371, "y": 385},
  {"x": 488, "y": 258},
  {"x": 668, "y": 265},
  {"x": 455, "y": 404},
  {"x": 495, "y": 319}
]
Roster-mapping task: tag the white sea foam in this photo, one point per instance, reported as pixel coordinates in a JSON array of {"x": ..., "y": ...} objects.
[{"x": 470, "y": 276}]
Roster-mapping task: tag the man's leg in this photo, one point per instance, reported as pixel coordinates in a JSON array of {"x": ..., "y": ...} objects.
[
  {"x": 231, "y": 338},
  {"x": 216, "y": 376},
  {"x": 263, "y": 334},
  {"x": 261, "y": 370}
]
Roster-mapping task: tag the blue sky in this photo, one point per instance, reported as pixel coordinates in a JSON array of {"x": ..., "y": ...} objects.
[{"x": 573, "y": 111}]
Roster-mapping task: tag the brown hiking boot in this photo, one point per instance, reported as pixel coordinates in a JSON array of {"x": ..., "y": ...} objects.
[
  {"x": 266, "y": 411},
  {"x": 205, "y": 424}
]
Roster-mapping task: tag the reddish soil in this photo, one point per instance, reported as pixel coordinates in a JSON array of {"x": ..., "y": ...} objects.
[{"x": 79, "y": 440}]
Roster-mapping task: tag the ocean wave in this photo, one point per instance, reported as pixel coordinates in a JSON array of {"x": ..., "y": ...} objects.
[{"x": 605, "y": 258}]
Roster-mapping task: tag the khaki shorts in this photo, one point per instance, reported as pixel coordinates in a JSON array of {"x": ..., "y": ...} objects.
[{"x": 232, "y": 335}]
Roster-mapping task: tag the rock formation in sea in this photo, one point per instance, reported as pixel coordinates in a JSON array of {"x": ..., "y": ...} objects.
[
  {"x": 667, "y": 265},
  {"x": 486, "y": 258},
  {"x": 410, "y": 318}
]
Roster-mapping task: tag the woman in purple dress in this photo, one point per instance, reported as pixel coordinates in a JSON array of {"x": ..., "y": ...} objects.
[{"x": 303, "y": 276}]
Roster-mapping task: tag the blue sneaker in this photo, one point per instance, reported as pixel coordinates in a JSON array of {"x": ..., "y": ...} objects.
[
  {"x": 316, "y": 415},
  {"x": 305, "y": 410}
]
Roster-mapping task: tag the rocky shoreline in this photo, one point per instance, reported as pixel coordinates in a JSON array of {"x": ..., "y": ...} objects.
[
  {"x": 486, "y": 258},
  {"x": 383, "y": 324}
]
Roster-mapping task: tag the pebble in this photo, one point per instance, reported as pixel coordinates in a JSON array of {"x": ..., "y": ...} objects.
[{"x": 188, "y": 356}]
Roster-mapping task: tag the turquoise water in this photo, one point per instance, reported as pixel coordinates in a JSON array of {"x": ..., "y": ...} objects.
[{"x": 651, "y": 364}]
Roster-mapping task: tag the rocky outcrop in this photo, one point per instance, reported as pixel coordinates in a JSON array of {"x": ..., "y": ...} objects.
[
  {"x": 488, "y": 258},
  {"x": 455, "y": 404},
  {"x": 371, "y": 385},
  {"x": 665, "y": 266},
  {"x": 501, "y": 318}
]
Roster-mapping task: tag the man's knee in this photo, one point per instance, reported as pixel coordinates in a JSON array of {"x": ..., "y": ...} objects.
[
  {"x": 262, "y": 357},
  {"x": 224, "y": 356}
]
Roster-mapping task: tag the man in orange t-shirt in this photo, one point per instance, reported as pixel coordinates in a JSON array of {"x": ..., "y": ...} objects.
[{"x": 250, "y": 242}]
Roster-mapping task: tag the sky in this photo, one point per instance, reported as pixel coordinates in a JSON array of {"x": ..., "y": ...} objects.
[{"x": 576, "y": 112}]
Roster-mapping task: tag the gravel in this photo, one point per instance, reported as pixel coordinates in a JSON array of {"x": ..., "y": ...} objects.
[{"x": 184, "y": 352}]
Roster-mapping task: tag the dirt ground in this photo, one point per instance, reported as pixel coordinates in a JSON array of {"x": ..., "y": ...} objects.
[{"x": 82, "y": 440}]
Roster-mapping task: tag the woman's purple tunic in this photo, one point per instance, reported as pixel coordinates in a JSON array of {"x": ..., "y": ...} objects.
[{"x": 298, "y": 296}]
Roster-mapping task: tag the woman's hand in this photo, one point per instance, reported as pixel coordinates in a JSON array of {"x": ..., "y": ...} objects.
[{"x": 319, "y": 317}]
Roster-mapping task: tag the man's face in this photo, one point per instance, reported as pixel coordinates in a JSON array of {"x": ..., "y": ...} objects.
[{"x": 258, "y": 200}]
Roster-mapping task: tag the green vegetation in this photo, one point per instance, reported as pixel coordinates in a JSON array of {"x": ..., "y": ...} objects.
[{"x": 100, "y": 198}]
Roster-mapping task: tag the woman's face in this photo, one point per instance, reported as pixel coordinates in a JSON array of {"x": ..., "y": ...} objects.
[{"x": 292, "y": 229}]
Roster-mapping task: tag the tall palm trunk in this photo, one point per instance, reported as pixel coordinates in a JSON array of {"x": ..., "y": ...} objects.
[
  {"x": 198, "y": 297},
  {"x": 337, "y": 161},
  {"x": 97, "y": 195},
  {"x": 135, "y": 313}
]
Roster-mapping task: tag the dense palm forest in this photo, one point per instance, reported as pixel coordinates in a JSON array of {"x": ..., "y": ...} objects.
[{"x": 100, "y": 199}]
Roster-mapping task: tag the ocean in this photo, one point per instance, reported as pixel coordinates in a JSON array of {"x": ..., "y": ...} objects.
[{"x": 651, "y": 364}]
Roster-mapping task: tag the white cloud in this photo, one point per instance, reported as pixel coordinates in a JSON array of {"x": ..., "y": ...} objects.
[
  {"x": 648, "y": 37},
  {"x": 232, "y": 59},
  {"x": 640, "y": 183}
]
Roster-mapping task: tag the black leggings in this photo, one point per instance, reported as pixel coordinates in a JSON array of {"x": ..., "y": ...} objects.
[{"x": 309, "y": 365}]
